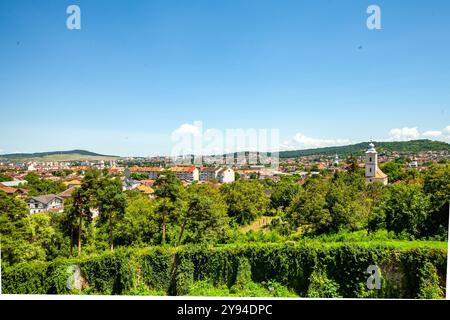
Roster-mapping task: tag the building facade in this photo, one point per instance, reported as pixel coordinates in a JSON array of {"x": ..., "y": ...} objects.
[
  {"x": 222, "y": 175},
  {"x": 373, "y": 172},
  {"x": 50, "y": 202}
]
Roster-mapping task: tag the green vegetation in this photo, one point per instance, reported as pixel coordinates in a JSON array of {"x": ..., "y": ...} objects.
[
  {"x": 38, "y": 186},
  {"x": 4, "y": 177},
  {"x": 277, "y": 270},
  {"x": 313, "y": 240}
]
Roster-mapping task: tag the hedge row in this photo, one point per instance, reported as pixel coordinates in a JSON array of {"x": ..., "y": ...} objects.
[{"x": 310, "y": 271}]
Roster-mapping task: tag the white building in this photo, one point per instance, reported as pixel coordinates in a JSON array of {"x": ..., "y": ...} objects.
[
  {"x": 222, "y": 175},
  {"x": 186, "y": 173},
  {"x": 373, "y": 172},
  {"x": 225, "y": 175},
  {"x": 336, "y": 161},
  {"x": 50, "y": 202},
  {"x": 209, "y": 173},
  {"x": 413, "y": 163}
]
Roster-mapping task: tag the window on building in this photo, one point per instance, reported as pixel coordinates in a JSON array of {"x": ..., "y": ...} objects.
[{"x": 370, "y": 159}]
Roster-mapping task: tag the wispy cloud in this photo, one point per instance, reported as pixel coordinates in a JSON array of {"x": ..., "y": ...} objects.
[{"x": 301, "y": 141}]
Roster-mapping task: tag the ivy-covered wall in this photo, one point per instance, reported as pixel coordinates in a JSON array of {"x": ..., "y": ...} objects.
[{"x": 307, "y": 270}]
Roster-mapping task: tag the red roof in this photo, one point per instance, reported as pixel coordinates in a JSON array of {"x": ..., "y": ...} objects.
[
  {"x": 178, "y": 169},
  {"x": 145, "y": 169},
  {"x": 8, "y": 190}
]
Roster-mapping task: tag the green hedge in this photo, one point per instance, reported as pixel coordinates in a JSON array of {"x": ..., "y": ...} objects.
[{"x": 307, "y": 270}]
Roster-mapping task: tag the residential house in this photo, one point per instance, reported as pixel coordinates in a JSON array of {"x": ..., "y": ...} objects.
[
  {"x": 189, "y": 174},
  {"x": 49, "y": 202},
  {"x": 14, "y": 183},
  {"x": 209, "y": 173},
  {"x": 146, "y": 190},
  {"x": 72, "y": 183},
  {"x": 225, "y": 175},
  {"x": 67, "y": 193},
  {"x": 18, "y": 192}
]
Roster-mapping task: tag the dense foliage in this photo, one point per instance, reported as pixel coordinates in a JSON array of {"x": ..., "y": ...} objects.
[
  {"x": 305, "y": 270},
  {"x": 242, "y": 238}
]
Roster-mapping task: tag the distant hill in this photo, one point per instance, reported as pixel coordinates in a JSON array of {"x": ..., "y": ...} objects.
[
  {"x": 406, "y": 147},
  {"x": 71, "y": 155}
]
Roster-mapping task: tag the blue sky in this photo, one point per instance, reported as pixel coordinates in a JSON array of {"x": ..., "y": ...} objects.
[{"x": 138, "y": 70}]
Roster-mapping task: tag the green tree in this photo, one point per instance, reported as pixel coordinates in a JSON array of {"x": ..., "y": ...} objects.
[
  {"x": 394, "y": 170},
  {"x": 205, "y": 218},
  {"x": 245, "y": 199},
  {"x": 437, "y": 187},
  {"x": 347, "y": 203},
  {"x": 27, "y": 237},
  {"x": 13, "y": 213},
  {"x": 111, "y": 204},
  {"x": 404, "y": 209},
  {"x": 139, "y": 175},
  {"x": 170, "y": 194},
  {"x": 77, "y": 211},
  {"x": 308, "y": 209},
  {"x": 39, "y": 186},
  {"x": 139, "y": 224},
  {"x": 284, "y": 192},
  {"x": 4, "y": 177}
]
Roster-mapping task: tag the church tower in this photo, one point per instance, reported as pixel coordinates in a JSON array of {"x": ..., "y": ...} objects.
[{"x": 373, "y": 173}]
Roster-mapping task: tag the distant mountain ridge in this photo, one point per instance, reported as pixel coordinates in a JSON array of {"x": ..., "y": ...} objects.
[
  {"x": 412, "y": 146},
  {"x": 53, "y": 154}
]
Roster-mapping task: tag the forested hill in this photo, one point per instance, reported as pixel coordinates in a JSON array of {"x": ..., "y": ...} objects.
[
  {"x": 413, "y": 146},
  {"x": 57, "y": 155}
]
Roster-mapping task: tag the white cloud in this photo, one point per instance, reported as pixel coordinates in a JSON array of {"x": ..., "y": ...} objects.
[
  {"x": 404, "y": 133},
  {"x": 188, "y": 129},
  {"x": 300, "y": 141},
  {"x": 432, "y": 134}
]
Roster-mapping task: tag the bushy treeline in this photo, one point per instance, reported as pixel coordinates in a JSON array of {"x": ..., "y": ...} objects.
[
  {"x": 101, "y": 216},
  {"x": 288, "y": 270},
  {"x": 408, "y": 147},
  {"x": 415, "y": 208}
]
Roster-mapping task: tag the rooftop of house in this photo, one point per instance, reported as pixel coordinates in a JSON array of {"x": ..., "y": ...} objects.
[
  {"x": 148, "y": 182},
  {"x": 145, "y": 169},
  {"x": 72, "y": 182},
  {"x": 145, "y": 189},
  {"x": 8, "y": 190},
  {"x": 180, "y": 169},
  {"x": 13, "y": 183},
  {"x": 67, "y": 193},
  {"x": 380, "y": 174},
  {"x": 45, "y": 199}
]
